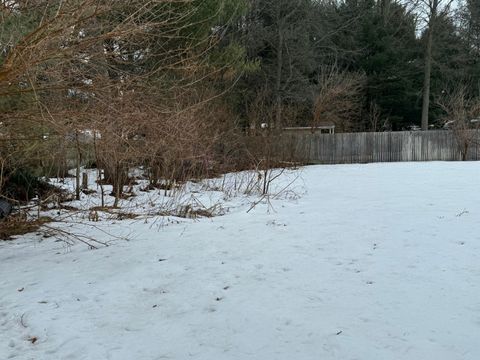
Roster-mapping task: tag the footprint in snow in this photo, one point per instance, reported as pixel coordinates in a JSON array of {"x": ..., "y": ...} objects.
[{"x": 78, "y": 297}]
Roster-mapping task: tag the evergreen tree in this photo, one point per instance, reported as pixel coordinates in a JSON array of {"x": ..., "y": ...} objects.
[
  {"x": 380, "y": 40},
  {"x": 279, "y": 38}
]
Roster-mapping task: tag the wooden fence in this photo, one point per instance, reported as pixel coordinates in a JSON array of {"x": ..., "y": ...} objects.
[{"x": 348, "y": 148}]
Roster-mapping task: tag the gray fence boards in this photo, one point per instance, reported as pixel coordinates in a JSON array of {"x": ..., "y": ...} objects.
[{"x": 348, "y": 148}]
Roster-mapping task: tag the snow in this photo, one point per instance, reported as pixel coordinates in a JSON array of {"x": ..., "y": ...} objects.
[{"x": 378, "y": 261}]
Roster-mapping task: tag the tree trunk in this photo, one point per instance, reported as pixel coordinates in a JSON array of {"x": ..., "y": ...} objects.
[
  {"x": 77, "y": 170},
  {"x": 428, "y": 65},
  {"x": 426, "y": 82},
  {"x": 99, "y": 170},
  {"x": 84, "y": 181},
  {"x": 465, "y": 150},
  {"x": 278, "y": 82}
]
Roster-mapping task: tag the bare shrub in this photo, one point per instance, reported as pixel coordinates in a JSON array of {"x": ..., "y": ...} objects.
[
  {"x": 122, "y": 71},
  {"x": 338, "y": 99},
  {"x": 270, "y": 151},
  {"x": 462, "y": 116}
]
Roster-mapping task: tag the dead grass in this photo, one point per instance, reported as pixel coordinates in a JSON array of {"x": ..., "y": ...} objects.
[{"x": 17, "y": 225}]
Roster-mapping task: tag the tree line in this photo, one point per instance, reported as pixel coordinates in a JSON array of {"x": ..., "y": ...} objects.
[
  {"x": 176, "y": 85},
  {"x": 366, "y": 65}
]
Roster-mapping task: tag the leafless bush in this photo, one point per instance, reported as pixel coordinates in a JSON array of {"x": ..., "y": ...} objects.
[
  {"x": 270, "y": 150},
  {"x": 261, "y": 113},
  {"x": 87, "y": 66},
  {"x": 462, "y": 116},
  {"x": 339, "y": 98}
]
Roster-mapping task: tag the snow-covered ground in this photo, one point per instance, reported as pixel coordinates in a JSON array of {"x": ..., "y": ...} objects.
[{"x": 366, "y": 262}]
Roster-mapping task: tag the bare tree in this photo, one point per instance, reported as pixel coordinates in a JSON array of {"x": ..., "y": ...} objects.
[
  {"x": 280, "y": 32},
  {"x": 430, "y": 11},
  {"x": 375, "y": 117},
  {"x": 462, "y": 115},
  {"x": 339, "y": 98}
]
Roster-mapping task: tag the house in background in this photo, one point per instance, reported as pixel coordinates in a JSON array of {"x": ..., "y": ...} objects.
[{"x": 323, "y": 128}]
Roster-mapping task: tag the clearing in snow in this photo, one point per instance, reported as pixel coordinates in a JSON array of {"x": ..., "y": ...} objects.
[{"x": 366, "y": 262}]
